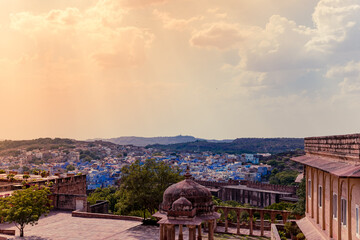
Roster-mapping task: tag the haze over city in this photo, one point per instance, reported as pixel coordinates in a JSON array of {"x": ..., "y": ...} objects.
[{"x": 211, "y": 69}]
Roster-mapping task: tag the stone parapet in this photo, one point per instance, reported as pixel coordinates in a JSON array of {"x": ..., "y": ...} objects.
[
  {"x": 104, "y": 216},
  {"x": 345, "y": 147}
]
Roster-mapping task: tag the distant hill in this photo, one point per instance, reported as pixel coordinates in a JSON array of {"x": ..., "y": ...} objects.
[
  {"x": 239, "y": 145},
  {"x": 144, "y": 141}
]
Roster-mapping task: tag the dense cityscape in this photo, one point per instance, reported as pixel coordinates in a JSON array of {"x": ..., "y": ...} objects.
[{"x": 102, "y": 162}]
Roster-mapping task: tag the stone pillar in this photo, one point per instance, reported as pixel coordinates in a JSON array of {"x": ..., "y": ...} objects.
[
  {"x": 284, "y": 216},
  {"x": 181, "y": 236},
  {"x": 251, "y": 222},
  {"x": 238, "y": 222},
  {"x": 161, "y": 231},
  {"x": 173, "y": 234},
  {"x": 226, "y": 220},
  {"x": 262, "y": 223},
  {"x": 199, "y": 233},
  {"x": 331, "y": 205},
  {"x": 211, "y": 229},
  {"x": 272, "y": 216},
  {"x": 169, "y": 232},
  {"x": 192, "y": 232}
]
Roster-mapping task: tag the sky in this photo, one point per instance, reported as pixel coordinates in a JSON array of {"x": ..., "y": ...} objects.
[{"x": 212, "y": 69}]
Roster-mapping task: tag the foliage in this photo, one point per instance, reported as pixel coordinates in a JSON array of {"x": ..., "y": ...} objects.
[
  {"x": 88, "y": 155},
  {"x": 291, "y": 229},
  {"x": 10, "y": 177},
  {"x": 300, "y": 236},
  {"x": 26, "y": 176},
  {"x": 281, "y": 206},
  {"x": 240, "y": 145},
  {"x": 2, "y": 171},
  {"x": 301, "y": 193},
  {"x": 143, "y": 185},
  {"x": 111, "y": 194},
  {"x": 286, "y": 177},
  {"x": 25, "y": 206},
  {"x": 33, "y": 144},
  {"x": 43, "y": 174},
  {"x": 70, "y": 168}
]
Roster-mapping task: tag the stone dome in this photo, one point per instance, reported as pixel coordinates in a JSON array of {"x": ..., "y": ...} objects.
[
  {"x": 198, "y": 195},
  {"x": 181, "y": 204}
]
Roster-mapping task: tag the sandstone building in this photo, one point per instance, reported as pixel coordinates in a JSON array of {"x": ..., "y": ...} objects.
[
  {"x": 68, "y": 191},
  {"x": 332, "y": 174}
]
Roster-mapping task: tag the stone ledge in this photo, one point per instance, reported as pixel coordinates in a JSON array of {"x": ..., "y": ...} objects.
[{"x": 78, "y": 213}]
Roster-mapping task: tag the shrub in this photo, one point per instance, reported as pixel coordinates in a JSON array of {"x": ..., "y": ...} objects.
[{"x": 300, "y": 236}]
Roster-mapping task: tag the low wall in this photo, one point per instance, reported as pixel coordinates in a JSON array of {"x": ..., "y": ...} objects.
[
  {"x": 272, "y": 187},
  {"x": 105, "y": 216},
  {"x": 99, "y": 207},
  {"x": 274, "y": 232},
  {"x": 7, "y": 232},
  {"x": 345, "y": 147}
]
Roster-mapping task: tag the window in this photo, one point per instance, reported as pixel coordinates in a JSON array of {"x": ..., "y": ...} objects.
[
  {"x": 357, "y": 219},
  {"x": 309, "y": 188},
  {"x": 343, "y": 211},
  {"x": 320, "y": 196},
  {"x": 334, "y": 205}
]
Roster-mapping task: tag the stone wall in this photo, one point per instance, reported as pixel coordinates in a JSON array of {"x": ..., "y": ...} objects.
[
  {"x": 99, "y": 207},
  {"x": 261, "y": 186},
  {"x": 216, "y": 184},
  {"x": 69, "y": 193},
  {"x": 272, "y": 187},
  {"x": 345, "y": 147}
]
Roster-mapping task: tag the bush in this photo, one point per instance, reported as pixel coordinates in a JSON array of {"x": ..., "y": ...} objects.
[
  {"x": 300, "y": 236},
  {"x": 2, "y": 171}
]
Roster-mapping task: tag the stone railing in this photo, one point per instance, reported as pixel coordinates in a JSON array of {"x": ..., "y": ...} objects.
[
  {"x": 81, "y": 214},
  {"x": 272, "y": 187},
  {"x": 216, "y": 184},
  {"x": 341, "y": 146},
  {"x": 251, "y": 223}
]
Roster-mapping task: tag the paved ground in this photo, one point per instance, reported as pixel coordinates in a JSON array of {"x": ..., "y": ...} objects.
[{"x": 62, "y": 226}]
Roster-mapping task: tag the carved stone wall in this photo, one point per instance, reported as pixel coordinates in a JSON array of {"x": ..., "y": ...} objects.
[{"x": 345, "y": 147}]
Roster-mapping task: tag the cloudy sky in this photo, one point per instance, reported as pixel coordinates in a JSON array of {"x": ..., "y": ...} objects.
[{"x": 208, "y": 68}]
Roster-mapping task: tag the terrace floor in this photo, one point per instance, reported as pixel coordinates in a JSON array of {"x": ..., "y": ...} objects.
[{"x": 62, "y": 226}]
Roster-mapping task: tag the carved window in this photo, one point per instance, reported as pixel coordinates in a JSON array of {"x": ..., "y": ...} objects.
[
  {"x": 343, "y": 211},
  {"x": 334, "y": 205},
  {"x": 357, "y": 219}
]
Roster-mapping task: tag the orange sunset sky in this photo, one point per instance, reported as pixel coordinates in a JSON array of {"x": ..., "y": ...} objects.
[{"x": 208, "y": 68}]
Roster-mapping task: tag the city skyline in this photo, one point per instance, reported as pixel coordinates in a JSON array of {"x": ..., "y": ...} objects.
[{"x": 215, "y": 70}]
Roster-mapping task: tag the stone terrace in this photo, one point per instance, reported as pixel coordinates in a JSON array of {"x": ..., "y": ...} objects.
[{"x": 60, "y": 225}]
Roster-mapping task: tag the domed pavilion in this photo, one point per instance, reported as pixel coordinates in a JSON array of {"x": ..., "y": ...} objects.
[{"x": 189, "y": 204}]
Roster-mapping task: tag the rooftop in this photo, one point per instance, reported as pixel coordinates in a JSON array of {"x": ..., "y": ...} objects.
[{"x": 338, "y": 155}]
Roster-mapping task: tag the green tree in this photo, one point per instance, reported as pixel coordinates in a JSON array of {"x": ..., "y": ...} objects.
[
  {"x": 143, "y": 185},
  {"x": 70, "y": 168},
  {"x": 301, "y": 193},
  {"x": 26, "y": 206},
  {"x": 111, "y": 194},
  {"x": 284, "y": 177}
]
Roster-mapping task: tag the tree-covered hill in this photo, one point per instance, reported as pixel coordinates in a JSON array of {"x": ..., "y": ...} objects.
[{"x": 239, "y": 145}]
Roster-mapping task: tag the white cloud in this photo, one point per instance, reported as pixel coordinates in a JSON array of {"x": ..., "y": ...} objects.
[
  {"x": 175, "y": 23},
  {"x": 335, "y": 22},
  {"x": 350, "y": 76},
  {"x": 96, "y": 33},
  {"x": 220, "y": 35}
]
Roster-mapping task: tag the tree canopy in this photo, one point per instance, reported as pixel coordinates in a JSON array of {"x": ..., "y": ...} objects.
[
  {"x": 141, "y": 189},
  {"x": 25, "y": 206}
]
